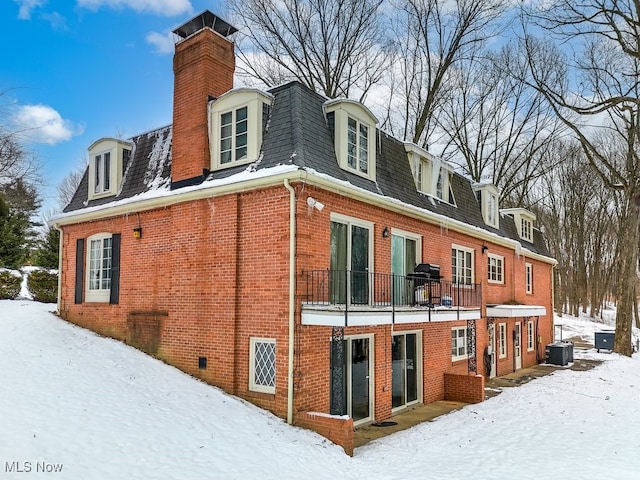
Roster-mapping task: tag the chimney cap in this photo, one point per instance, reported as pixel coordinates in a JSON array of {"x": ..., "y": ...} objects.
[{"x": 205, "y": 19}]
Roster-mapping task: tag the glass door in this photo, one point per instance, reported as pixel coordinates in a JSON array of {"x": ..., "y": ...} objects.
[
  {"x": 517, "y": 346},
  {"x": 349, "y": 264},
  {"x": 403, "y": 262},
  {"x": 360, "y": 379},
  {"x": 405, "y": 371},
  {"x": 359, "y": 265}
]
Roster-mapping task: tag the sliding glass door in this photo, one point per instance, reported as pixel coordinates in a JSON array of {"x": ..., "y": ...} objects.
[{"x": 406, "y": 367}]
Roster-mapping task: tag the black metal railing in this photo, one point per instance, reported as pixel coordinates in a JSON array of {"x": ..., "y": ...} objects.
[{"x": 335, "y": 287}]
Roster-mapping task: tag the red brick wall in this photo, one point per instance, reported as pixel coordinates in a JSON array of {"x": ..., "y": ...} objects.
[
  {"x": 203, "y": 66},
  {"x": 464, "y": 388},
  {"x": 337, "y": 429},
  {"x": 218, "y": 268},
  {"x": 220, "y": 275}
]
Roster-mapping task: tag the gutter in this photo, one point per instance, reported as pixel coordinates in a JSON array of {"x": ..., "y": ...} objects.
[
  {"x": 292, "y": 292},
  {"x": 308, "y": 177}
]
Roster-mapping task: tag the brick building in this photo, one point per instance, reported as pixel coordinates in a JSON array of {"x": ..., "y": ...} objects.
[{"x": 278, "y": 245}]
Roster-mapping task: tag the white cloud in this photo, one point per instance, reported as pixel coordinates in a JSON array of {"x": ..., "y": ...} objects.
[
  {"x": 24, "y": 13},
  {"x": 161, "y": 7},
  {"x": 43, "y": 124},
  {"x": 163, "y": 42},
  {"x": 57, "y": 21}
]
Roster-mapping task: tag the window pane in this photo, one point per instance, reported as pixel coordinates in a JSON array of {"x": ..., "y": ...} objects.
[
  {"x": 225, "y": 118},
  {"x": 94, "y": 264},
  {"x": 241, "y": 153},
  {"x": 364, "y": 147},
  {"x": 225, "y": 132},
  {"x": 241, "y": 114},
  {"x": 98, "y": 167},
  {"x": 106, "y": 264},
  {"x": 265, "y": 364},
  {"x": 241, "y": 127},
  {"x": 352, "y": 144},
  {"x": 241, "y": 141},
  {"x": 225, "y": 157},
  {"x": 107, "y": 171}
]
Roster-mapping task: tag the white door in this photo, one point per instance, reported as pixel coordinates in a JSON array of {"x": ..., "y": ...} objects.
[
  {"x": 517, "y": 346},
  {"x": 492, "y": 350}
]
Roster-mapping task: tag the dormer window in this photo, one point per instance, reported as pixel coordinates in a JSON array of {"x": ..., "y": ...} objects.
[
  {"x": 524, "y": 221},
  {"x": 488, "y": 197},
  {"x": 237, "y": 122},
  {"x": 354, "y": 129},
  {"x": 431, "y": 174},
  {"x": 107, "y": 160}
]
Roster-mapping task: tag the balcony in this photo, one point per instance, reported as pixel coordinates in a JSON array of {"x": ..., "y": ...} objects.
[{"x": 350, "y": 298}]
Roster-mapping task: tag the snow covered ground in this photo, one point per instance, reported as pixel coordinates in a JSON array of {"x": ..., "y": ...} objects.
[{"x": 94, "y": 408}]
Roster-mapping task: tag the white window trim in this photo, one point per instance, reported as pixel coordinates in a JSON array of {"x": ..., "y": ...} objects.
[
  {"x": 502, "y": 335},
  {"x": 528, "y": 269},
  {"x": 530, "y": 336},
  {"x": 233, "y": 100},
  {"x": 500, "y": 259},
  {"x": 253, "y": 386},
  {"x": 115, "y": 147},
  {"x": 455, "y": 358},
  {"x": 95, "y": 295},
  {"x": 343, "y": 109},
  {"x": 473, "y": 262}
]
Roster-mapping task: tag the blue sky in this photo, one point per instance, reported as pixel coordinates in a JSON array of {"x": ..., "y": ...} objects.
[{"x": 76, "y": 71}]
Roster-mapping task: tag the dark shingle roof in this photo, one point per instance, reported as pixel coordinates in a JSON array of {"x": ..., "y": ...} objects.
[
  {"x": 299, "y": 133},
  {"x": 148, "y": 168}
]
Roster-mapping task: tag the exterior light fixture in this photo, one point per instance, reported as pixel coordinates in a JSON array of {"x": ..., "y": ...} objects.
[
  {"x": 137, "y": 232},
  {"x": 385, "y": 232}
]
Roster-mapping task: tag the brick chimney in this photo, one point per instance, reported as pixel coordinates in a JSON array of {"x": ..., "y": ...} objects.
[{"x": 203, "y": 66}]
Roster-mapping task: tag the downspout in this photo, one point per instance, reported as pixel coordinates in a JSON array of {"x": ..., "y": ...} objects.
[
  {"x": 553, "y": 306},
  {"x": 60, "y": 250},
  {"x": 292, "y": 293}
]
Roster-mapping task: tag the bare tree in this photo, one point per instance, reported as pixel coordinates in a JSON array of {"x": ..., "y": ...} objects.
[
  {"x": 498, "y": 128},
  {"x": 67, "y": 187},
  {"x": 579, "y": 219},
  {"x": 599, "y": 84},
  {"x": 332, "y": 46},
  {"x": 433, "y": 42}
]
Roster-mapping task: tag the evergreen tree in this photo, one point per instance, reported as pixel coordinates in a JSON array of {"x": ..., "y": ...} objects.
[
  {"x": 13, "y": 228},
  {"x": 47, "y": 254},
  {"x": 23, "y": 201}
]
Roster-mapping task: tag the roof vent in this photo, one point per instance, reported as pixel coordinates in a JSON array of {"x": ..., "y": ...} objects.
[{"x": 205, "y": 19}]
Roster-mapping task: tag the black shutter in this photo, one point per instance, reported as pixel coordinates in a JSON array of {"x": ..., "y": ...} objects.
[
  {"x": 79, "y": 270},
  {"x": 115, "y": 269}
]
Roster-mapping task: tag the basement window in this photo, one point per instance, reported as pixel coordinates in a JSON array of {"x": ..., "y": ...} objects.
[{"x": 262, "y": 365}]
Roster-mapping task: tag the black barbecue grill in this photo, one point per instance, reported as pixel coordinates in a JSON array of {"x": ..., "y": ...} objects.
[{"x": 426, "y": 284}]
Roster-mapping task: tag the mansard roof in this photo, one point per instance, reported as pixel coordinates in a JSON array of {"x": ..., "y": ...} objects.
[{"x": 299, "y": 134}]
